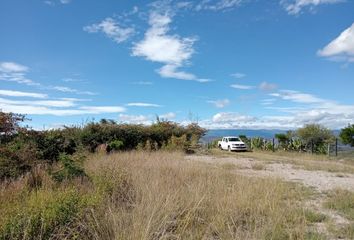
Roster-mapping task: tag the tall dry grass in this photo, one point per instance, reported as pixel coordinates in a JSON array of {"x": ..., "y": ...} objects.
[
  {"x": 172, "y": 198},
  {"x": 152, "y": 195}
]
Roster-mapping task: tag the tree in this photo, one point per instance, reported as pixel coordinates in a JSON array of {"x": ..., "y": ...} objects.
[
  {"x": 9, "y": 125},
  {"x": 347, "y": 135},
  {"x": 283, "y": 140},
  {"x": 315, "y": 135}
]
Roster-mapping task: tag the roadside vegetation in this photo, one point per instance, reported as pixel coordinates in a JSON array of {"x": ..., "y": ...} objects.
[
  {"x": 342, "y": 201},
  {"x": 22, "y": 148},
  {"x": 312, "y": 138},
  {"x": 152, "y": 195},
  {"x": 106, "y": 180}
]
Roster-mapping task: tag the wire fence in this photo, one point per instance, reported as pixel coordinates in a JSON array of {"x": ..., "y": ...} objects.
[{"x": 335, "y": 148}]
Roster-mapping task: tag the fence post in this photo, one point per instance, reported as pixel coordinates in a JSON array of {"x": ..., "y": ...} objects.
[
  {"x": 273, "y": 146},
  {"x": 329, "y": 149},
  {"x": 336, "y": 147},
  {"x": 311, "y": 146}
]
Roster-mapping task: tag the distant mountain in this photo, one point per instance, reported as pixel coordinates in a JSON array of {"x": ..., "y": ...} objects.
[{"x": 218, "y": 133}]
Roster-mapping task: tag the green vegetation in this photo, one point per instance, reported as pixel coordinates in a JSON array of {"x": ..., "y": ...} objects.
[
  {"x": 314, "y": 217},
  {"x": 315, "y": 137},
  {"x": 55, "y": 185},
  {"x": 21, "y": 148},
  {"x": 347, "y": 135},
  {"x": 69, "y": 169},
  {"x": 152, "y": 195},
  {"x": 343, "y": 202}
]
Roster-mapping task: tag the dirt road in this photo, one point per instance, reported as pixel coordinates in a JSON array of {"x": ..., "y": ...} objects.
[{"x": 319, "y": 180}]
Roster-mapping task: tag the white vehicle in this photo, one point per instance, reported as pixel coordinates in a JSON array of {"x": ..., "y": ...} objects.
[{"x": 232, "y": 144}]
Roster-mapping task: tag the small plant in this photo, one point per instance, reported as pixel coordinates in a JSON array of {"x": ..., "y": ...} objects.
[
  {"x": 257, "y": 143},
  {"x": 43, "y": 214},
  {"x": 69, "y": 169},
  {"x": 115, "y": 145},
  {"x": 314, "y": 217},
  {"x": 342, "y": 201}
]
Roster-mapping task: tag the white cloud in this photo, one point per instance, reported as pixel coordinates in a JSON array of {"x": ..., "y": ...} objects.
[
  {"x": 140, "y": 104},
  {"x": 298, "y": 97},
  {"x": 171, "y": 50},
  {"x": 143, "y": 83},
  {"x": 71, "y": 90},
  {"x": 103, "y": 109},
  {"x": 112, "y": 29},
  {"x": 72, "y": 80},
  {"x": 54, "y": 2},
  {"x": 14, "y": 72},
  {"x": 305, "y": 109},
  {"x": 243, "y": 87},
  {"x": 186, "y": 4},
  {"x": 268, "y": 101},
  {"x": 220, "y": 103},
  {"x": 342, "y": 47},
  {"x": 265, "y": 86},
  {"x": 135, "y": 119},
  {"x": 327, "y": 117},
  {"x": 12, "y": 67},
  {"x": 169, "y": 115},
  {"x": 294, "y": 7},
  {"x": 238, "y": 75},
  {"x": 217, "y": 5},
  {"x": 48, "y": 103},
  {"x": 230, "y": 116},
  {"x": 11, "y": 93},
  {"x": 41, "y": 109}
]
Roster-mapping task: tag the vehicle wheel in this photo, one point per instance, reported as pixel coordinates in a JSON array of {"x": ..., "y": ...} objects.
[
  {"x": 220, "y": 147},
  {"x": 229, "y": 149}
]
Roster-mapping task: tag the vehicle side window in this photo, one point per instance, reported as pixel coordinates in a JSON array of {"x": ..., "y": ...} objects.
[{"x": 227, "y": 140}]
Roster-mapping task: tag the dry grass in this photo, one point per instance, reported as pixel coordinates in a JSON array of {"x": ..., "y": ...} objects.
[
  {"x": 176, "y": 199},
  {"x": 156, "y": 195},
  {"x": 342, "y": 201},
  {"x": 258, "y": 166}
]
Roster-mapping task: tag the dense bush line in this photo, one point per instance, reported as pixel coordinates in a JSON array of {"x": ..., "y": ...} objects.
[{"x": 21, "y": 148}]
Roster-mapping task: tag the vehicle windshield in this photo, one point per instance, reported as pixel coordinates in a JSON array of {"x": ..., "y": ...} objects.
[{"x": 234, "y": 139}]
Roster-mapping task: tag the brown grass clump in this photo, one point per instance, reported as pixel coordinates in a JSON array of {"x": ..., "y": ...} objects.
[
  {"x": 152, "y": 195},
  {"x": 176, "y": 199}
]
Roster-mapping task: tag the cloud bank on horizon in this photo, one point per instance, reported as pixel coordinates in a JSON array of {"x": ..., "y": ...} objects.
[{"x": 162, "y": 59}]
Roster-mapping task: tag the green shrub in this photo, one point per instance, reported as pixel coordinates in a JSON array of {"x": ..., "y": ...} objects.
[
  {"x": 69, "y": 169},
  {"x": 43, "y": 214},
  {"x": 314, "y": 217},
  {"x": 115, "y": 145},
  {"x": 53, "y": 143},
  {"x": 17, "y": 158},
  {"x": 315, "y": 136},
  {"x": 347, "y": 135},
  {"x": 257, "y": 143}
]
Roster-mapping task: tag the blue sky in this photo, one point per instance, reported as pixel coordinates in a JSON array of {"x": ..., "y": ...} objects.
[{"x": 251, "y": 64}]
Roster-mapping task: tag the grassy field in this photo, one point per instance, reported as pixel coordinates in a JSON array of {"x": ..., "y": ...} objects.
[{"x": 154, "y": 195}]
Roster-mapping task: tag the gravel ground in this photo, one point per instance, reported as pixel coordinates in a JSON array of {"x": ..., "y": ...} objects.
[{"x": 320, "y": 180}]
